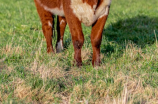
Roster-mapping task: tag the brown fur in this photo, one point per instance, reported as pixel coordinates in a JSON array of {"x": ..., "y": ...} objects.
[{"x": 68, "y": 11}]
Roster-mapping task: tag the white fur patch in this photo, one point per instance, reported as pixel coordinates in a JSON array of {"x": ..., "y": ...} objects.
[
  {"x": 62, "y": 21},
  {"x": 105, "y": 12},
  {"x": 87, "y": 14},
  {"x": 56, "y": 11},
  {"x": 94, "y": 7},
  {"x": 49, "y": 23},
  {"x": 59, "y": 47}
]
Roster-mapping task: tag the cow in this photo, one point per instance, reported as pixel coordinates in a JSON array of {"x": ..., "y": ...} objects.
[{"x": 74, "y": 12}]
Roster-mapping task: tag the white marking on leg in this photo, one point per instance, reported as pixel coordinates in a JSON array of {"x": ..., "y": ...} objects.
[
  {"x": 59, "y": 47},
  {"x": 62, "y": 21},
  {"x": 49, "y": 23}
]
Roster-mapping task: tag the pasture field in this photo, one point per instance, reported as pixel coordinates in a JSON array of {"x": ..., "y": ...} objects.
[{"x": 129, "y": 52}]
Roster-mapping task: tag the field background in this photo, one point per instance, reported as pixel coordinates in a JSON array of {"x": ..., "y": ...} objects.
[{"x": 129, "y": 53}]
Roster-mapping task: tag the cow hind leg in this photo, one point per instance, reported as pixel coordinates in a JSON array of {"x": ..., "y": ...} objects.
[
  {"x": 47, "y": 25},
  {"x": 48, "y": 33},
  {"x": 61, "y": 24}
]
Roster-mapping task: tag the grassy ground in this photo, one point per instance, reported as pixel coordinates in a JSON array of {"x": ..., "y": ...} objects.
[{"x": 129, "y": 53}]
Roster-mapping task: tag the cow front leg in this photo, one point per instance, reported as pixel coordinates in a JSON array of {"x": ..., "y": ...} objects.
[
  {"x": 77, "y": 37},
  {"x": 78, "y": 40},
  {"x": 78, "y": 43},
  {"x": 96, "y": 37},
  {"x": 61, "y": 24}
]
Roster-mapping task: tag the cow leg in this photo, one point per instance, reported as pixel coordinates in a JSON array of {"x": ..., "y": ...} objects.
[
  {"x": 78, "y": 40},
  {"x": 96, "y": 37},
  {"x": 61, "y": 24},
  {"x": 47, "y": 25},
  {"x": 48, "y": 33},
  {"x": 77, "y": 37}
]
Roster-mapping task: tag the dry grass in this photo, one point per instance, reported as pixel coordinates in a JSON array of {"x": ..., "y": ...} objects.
[
  {"x": 10, "y": 50},
  {"x": 132, "y": 92},
  {"x": 22, "y": 91},
  {"x": 124, "y": 89},
  {"x": 129, "y": 53}
]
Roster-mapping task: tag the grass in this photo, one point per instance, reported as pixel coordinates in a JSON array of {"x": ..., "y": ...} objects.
[{"x": 129, "y": 53}]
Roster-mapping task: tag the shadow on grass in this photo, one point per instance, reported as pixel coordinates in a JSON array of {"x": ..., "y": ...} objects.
[{"x": 138, "y": 30}]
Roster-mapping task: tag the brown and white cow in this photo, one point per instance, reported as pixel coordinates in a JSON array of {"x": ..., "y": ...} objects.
[{"x": 74, "y": 12}]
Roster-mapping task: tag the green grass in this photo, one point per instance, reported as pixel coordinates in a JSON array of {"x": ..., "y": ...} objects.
[{"x": 129, "y": 54}]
